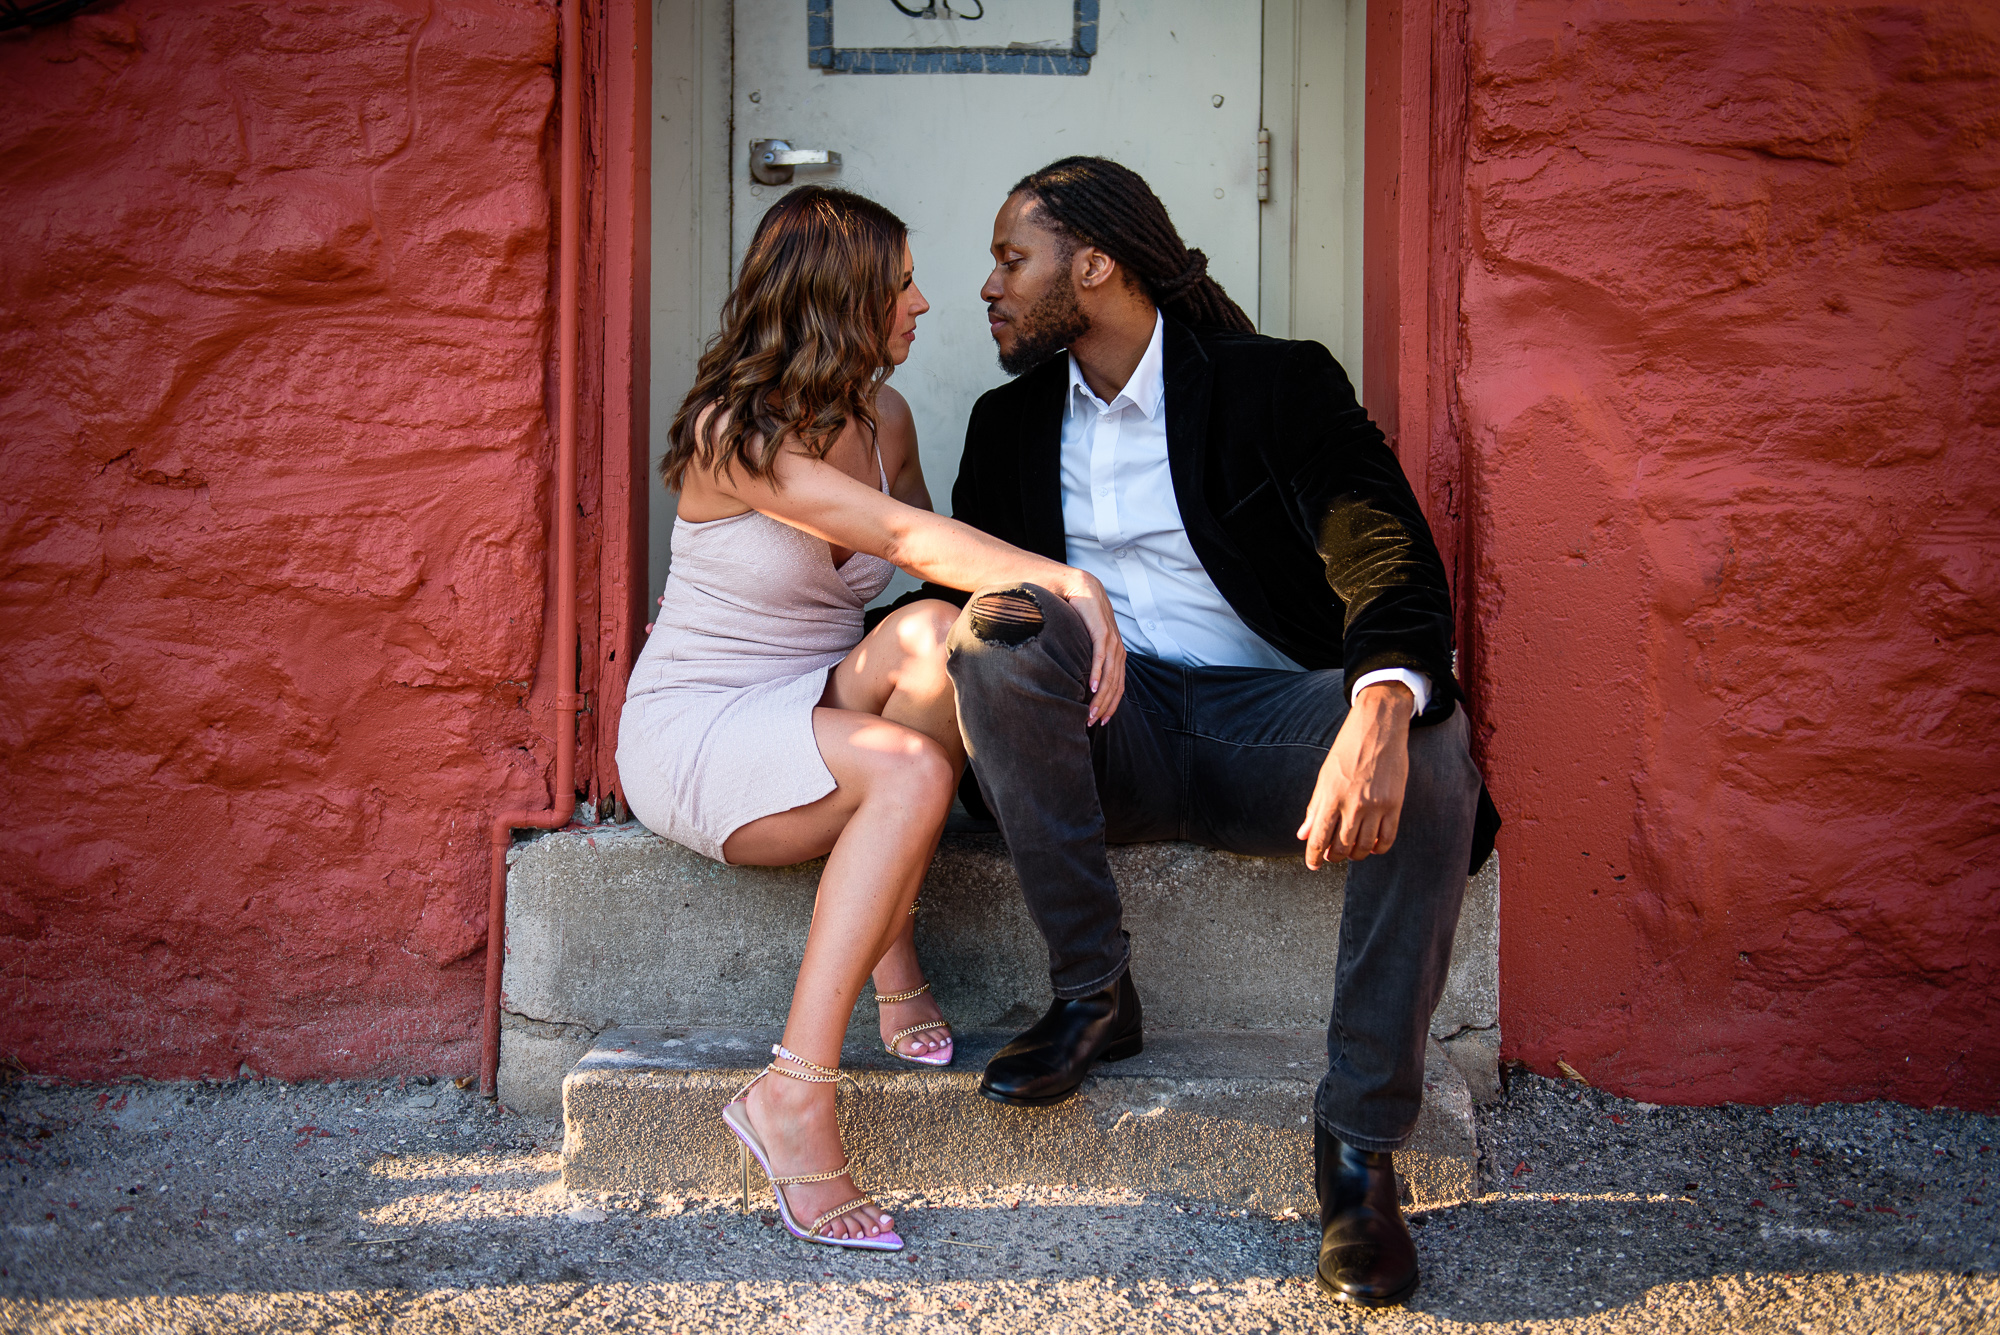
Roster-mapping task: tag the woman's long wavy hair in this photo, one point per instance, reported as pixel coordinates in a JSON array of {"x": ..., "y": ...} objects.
[{"x": 805, "y": 337}]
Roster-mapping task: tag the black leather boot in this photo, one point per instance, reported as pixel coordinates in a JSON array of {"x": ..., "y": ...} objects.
[
  {"x": 1366, "y": 1257},
  {"x": 1046, "y": 1064}
]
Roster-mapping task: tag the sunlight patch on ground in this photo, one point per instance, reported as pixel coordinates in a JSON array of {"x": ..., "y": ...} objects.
[
  {"x": 1578, "y": 1197},
  {"x": 1742, "y": 1302},
  {"x": 440, "y": 1167}
]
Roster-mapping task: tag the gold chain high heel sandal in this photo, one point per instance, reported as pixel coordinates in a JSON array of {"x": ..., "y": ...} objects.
[
  {"x": 736, "y": 1115},
  {"x": 942, "y": 1057}
]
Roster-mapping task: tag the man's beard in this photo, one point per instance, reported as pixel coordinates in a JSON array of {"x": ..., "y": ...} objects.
[{"x": 1051, "y": 324}]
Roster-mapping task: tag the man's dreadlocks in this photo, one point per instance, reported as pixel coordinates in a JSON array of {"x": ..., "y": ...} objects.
[{"x": 1097, "y": 202}]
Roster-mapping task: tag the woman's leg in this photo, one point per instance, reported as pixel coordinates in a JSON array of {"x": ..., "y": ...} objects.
[
  {"x": 898, "y": 671},
  {"x": 877, "y": 829},
  {"x": 898, "y": 971}
]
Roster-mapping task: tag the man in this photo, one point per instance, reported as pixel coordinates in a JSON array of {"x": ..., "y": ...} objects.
[{"x": 1288, "y": 684}]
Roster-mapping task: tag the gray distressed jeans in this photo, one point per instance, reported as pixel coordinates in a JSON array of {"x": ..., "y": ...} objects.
[{"x": 1226, "y": 758}]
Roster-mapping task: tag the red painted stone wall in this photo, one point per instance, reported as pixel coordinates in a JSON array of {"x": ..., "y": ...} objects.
[
  {"x": 274, "y": 337},
  {"x": 1731, "y": 400}
]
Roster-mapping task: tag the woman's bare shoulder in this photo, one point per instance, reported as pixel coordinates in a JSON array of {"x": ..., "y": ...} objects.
[
  {"x": 900, "y": 457},
  {"x": 895, "y": 428},
  {"x": 703, "y": 497},
  {"x": 712, "y": 420},
  {"x": 891, "y": 405}
]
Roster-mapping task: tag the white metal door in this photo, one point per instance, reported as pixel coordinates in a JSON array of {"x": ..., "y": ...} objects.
[{"x": 1172, "y": 92}]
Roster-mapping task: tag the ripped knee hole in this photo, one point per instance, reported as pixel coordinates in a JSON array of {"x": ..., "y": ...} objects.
[{"x": 1005, "y": 618}]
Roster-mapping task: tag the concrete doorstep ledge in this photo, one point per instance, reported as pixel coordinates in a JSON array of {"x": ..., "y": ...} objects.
[
  {"x": 615, "y": 927},
  {"x": 1214, "y": 1115}
]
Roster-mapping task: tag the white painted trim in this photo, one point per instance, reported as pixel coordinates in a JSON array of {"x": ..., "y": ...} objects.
[
  {"x": 1276, "y": 239},
  {"x": 691, "y": 138},
  {"x": 1309, "y": 274}
]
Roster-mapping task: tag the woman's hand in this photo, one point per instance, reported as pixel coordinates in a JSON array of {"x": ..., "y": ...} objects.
[{"x": 1082, "y": 591}]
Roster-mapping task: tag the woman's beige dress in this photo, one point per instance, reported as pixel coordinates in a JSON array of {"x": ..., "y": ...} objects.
[{"x": 717, "y": 728}]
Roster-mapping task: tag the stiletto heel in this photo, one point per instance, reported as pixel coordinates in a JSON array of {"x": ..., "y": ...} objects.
[
  {"x": 942, "y": 1057},
  {"x": 736, "y": 1116}
]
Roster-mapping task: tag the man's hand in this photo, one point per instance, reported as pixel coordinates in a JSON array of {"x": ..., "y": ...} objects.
[
  {"x": 1358, "y": 800},
  {"x": 1082, "y": 591}
]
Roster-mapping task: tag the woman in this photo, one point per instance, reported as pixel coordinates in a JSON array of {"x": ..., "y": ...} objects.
[{"x": 761, "y": 727}]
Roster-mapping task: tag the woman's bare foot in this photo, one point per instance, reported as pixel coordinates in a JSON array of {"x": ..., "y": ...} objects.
[
  {"x": 900, "y": 1015},
  {"x": 898, "y": 971},
  {"x": 801, "y": 1134}
]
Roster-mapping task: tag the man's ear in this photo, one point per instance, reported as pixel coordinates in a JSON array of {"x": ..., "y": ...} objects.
[{"x": 1094, "y": 268}]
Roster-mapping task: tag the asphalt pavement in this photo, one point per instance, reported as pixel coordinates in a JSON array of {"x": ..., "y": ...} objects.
[{"x": 412, "y": 1206}]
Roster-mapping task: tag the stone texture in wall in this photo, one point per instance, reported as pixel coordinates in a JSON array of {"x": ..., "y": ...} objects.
[
  {"x": 1732, "y": 403},
  {"x": 274, "y": 323}
]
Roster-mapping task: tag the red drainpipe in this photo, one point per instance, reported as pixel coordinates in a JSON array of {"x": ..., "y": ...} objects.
[{"x": 570, "y": 222}]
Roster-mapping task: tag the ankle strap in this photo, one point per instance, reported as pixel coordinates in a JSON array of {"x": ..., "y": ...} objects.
[
  {"x": 822, "y": 1075},
  {"x": 910, "y": 995}
]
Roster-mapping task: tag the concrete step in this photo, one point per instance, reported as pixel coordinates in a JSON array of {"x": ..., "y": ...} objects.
[
  {"x": 1216, "y": 1115},
  {"x": 614, "y": 926}
]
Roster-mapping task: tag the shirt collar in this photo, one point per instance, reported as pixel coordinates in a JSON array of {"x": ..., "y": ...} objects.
[{"x": 1146, "y": 388}]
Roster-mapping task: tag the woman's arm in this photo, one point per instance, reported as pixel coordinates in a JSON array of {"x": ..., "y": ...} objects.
[
  {"x": 817, "y": 498},
  {"x": 896, "y": 438}
]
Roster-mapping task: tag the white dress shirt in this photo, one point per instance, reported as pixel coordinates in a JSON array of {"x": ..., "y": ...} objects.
[{"x": 1122, "y": 523}]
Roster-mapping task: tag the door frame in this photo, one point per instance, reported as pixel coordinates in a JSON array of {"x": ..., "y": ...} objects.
[
  {"x": 657, "y": 268},
  {"x": 614, "y": 388},
  {"x": 1309, "y": 275},
  {"x": 614, "y": 385},
  {"x": 1418, "y": 111}
]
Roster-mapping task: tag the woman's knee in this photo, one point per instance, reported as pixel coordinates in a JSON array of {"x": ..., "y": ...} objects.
[
  {"x": 922, "y": 628},
  {"x": 931, "y": 775},
  {"x": 913, "y": 767}
]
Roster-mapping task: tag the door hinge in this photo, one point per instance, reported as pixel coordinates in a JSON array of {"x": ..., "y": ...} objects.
[{"x": 1263, "y": 166}]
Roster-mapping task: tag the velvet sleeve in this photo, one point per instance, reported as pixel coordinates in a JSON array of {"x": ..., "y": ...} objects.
[{"x": 1368, "y": 529}]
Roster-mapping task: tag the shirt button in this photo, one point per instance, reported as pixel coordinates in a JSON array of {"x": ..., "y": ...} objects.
[{"x": 1104, "y": 491}]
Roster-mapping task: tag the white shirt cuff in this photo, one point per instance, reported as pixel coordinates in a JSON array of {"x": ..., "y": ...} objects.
[{"x": 1419, "y": 684}]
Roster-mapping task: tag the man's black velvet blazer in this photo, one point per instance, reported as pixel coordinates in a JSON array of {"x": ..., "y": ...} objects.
[{"x": 1290, "y": 495}]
